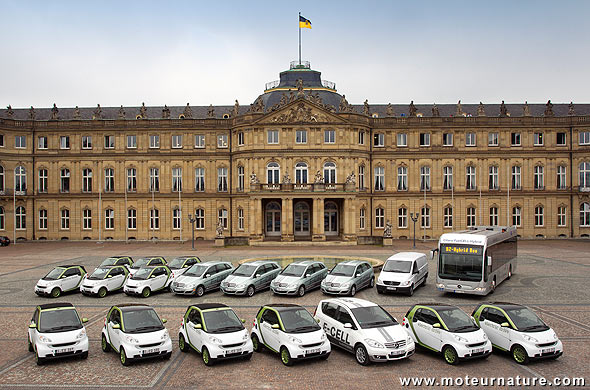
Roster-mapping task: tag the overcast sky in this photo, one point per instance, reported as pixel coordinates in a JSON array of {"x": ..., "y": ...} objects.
[{"x": 212, "y": 52}]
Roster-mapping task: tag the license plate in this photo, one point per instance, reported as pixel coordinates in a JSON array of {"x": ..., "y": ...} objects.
[
  {"x": 392, "y": 288},
  {"x": 458, "y": 291},
  {"x": 151, "y": 350},
  {"x": 311, "y": 351},
  {"x": 64, "y": 350},
  {"x": 548, "y": 350},
  {"x": 440, "y": 288},
  {"x": 476, "y": 350},
  {"x": 232, "y": 351}
]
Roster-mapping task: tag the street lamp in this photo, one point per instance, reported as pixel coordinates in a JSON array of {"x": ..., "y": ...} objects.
[
  {"x": 192, "y": 222},
  {"x": 414, "y": 217}
]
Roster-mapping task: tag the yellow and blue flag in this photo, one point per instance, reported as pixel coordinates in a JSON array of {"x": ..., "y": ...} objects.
[{"x": 304, "y": 23}]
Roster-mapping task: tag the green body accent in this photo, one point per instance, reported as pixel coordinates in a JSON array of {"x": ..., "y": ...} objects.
[
  {"x": 280, "y": 322},
  {"x": 410, "y": 318},
  {"x": 477, "y": 314}
]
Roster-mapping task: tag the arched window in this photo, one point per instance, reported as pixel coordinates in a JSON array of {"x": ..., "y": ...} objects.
[
  {"x": 585, "y": 214},
  {"x": 21, "y": 218},
  {"x": 380, "y": 217},
  {"x": 330, "y": 173},
  {"x": 379, "y": 179},
  {"x": 402, "y": 217},
  {"x": 493, "y": 183},
  {"x": 424, "y": 178},
  {"x": 154, "y": 219},
  {"x": 470, "y": 183},
  {"x": 273, "y": 173},
  {"x": 425, "y": 217},
  {"x": 200, "y": 218},
  {"x": 20, "y": 179},
  {"x": 471, "y": 216},
  {"x": 176, "y": 218},
  {"x": 2, "y": 218},
  {"x": 240, "y": 218},
  {"x": 222, "y": 217},
  {"x": 585, "y": 175},
  {"x": 87, "y": 180},
  {"x": 65, "y": 219},
  {"x": 538, "y": 178},
  {"x": 109, "y": 219},
  {"x": 301, "y": 173},
  {"x": 448, "y": 217},
  {"x": 516, "y": 216},
  {"x": 64, "y": 180},
  {"x": 200, "y": 179},
  {"x": 109, "y": 180},
  {"x": 447, "y": 178},
  {"x": 493, "y": 216},
  {"x": 539, "y": 215},
  {"x": 132, "y": 219}
]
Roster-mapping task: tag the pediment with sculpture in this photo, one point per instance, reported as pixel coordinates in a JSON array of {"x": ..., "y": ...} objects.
[{"x": 301, "y": 111}]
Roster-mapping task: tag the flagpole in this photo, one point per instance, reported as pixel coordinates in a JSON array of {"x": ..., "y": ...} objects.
[{"x": 299, "y": 27}]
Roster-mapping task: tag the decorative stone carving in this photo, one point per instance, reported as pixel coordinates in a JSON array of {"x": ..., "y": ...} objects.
[
  {"x": 9, "y": 111},
  {"x": 143, "y": 111},
  {"x": 188, "y": 112},
  {"x": 389, "y": 110},
  {"x": 570, "y": 109},
  {"x": 526, "y": 111},
  {"x": 254, "y": 179},
  {"x": 121, "y": 114},
  {"x": 287, "y": 179},
  {"x": 165, "y": 112},
  {"x": 481, "y": 111},
  {"x": 318, "y": 179},
  {"x": 549, "y": 109},
  {"x": 77, "y": 113},
  {"x": 351, "y": 179},
  {"x": 387, "y": 230},
  {"x": 211, "y": 111},
  {"x": 503, "y": 109},
  {"x": 236, "y": 111},
  {"x": 343, "y": 106},
  {"x": 435, "y": 111},
  {"x": 54, "y": 113},
  {"x": 219, "y": 230},
  {"x": 284, "y": 100},
  {"x": 413, "y": 109},
  {"x": 366, "y": 108},
  {"x": 317, "y": 99},
  {"x": 459, "y": 110},
  {"x": 257, "y": 106},
  {"x": 32, "y": 113},
  {"x": 299, "y": 85},
  {"x": 97, "y": 112}
]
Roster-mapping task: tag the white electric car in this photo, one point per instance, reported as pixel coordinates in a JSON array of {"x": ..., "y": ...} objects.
[
  {"x": 59, "y": 280},
  {"x": 148, "y": 280},
  {"x": 104, "y": 279}
]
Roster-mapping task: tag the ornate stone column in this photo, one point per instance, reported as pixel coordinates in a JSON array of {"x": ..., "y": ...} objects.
[
  {"x": 317, "y": 233},
  {"x": 287, "y": 219}
]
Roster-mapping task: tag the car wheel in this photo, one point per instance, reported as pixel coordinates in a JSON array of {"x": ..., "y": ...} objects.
[
  {"x": 256, "y": 346},
  {"x": 352, "y": 290},
  {"x": 102, "y": 292},
  {"x": 146, "y": 292},
  {"x": 361, "y": 355},
  {"x": 182, "y": 345},
  {"x": 286, "y": 357},
  {"x": 250, "y": 291},
  {"x": 450, "y": 355},
  {"x": 84, "y": 355},
  {"x": 509, "y": 272},
  {"x": 379, "y": 291},
  {"x": 200, "y": 291},
  {"x": 411, "y": 290},
  {"x": 55, "y": 293},
  {"x": 39, "y": 360},
  {"x": 424, "y": 282},
  {"x": 206, "y": 357},
  {"x": 104, "y": 344},
  {"x": 519, "y": 354},
  {"x": 301, "y": 291},
  {"x": 31, "y": 349},
  {"x": 372, "y": 284},
  {"x": 124, "y": 359}
]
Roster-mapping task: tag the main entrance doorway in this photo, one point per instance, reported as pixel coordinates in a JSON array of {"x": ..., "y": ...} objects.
[
  {"x": 301, "y": 219},
  {"x": 272, "y": 217},
  {"x": 331, "y": 227}
]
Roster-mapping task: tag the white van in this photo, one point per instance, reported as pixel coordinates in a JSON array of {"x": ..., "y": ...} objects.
[{"x": 403, "y": 272}]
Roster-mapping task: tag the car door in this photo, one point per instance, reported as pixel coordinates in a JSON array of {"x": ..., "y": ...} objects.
[
  {"x": 114, "y": 334},
  {"x": 159, "y": 278},
  {"x": 270, "y": 336},
  {"x": 361, "y": 276},
  {"x": 70, "y": 279},
  {"x": 116, "y": 280},
  {"x": 422, "y": 324},
  {"x": 491, "y": 320},
  {"x": 209, "y": 281},
  {"x": 219, "y": 275},
  {"x": 195, "y": 336},
  {"x": 33, "y": 331},
  {"x": 345, "y": 336},
  {"x": 267, "y": 275},
  {"x": 227, "y": 269},
  {"x": 259, "y": 277}
]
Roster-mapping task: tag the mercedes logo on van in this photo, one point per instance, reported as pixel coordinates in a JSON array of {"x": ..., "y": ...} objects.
[{"x": 459, "y": 286}]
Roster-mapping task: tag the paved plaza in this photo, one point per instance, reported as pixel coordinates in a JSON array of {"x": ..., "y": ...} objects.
[{"x": 552, "y": 277}]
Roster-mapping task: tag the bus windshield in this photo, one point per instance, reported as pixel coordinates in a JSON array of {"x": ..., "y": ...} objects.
[{"x": 461, "y": 262}]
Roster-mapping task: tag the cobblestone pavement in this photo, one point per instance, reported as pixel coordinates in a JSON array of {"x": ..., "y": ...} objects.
[{"x": 552, "y": 277}]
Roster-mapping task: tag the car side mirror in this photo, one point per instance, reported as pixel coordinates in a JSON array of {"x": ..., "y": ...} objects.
[
  {"x": 436, "y": 325},
  {"x": 109, "y": 276},
  {"x": 307, "y": 275},
  {"x": 116, "y": 326},
  {"x": 243, "y": 320},
  {"x": 275, "y": 326},
  {"x": 505, "y": 325},
  {"x": 317, "y": 320},
  {"x": 415, "y": 272},
  {"x": 207, "y": 276},
  {"x": 84, "y": 320},
  {"x": 164, "y": 320},
  {"x": 32, "y": 325},
  {"x": 357, "y": 274},
  {"x": 348, "y": 325},
  {"x": 197, "y": 326},
  {"x": 257, "y": 275}
]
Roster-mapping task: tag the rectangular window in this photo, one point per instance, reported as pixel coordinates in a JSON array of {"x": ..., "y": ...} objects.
[
  {"x": 222, "y": 217},
  {"x": 470, "y": 139},
  {"x": 42, "y": 180},
  {"x": 42, "y": 142},
  {"x": 379, "y": 218},
  {"x": 272, "y": 136},
  {"x": 177, "y": 179},
  {"x": 109, "y": 180},
  {"x": 584, "y": 137},
  {"x": 361, "y": 137},
  {"x": 471, "y": 217},
  {"x": 402, "y": 140},
  {"x": 493, "y": 216},
  {"x": 424, "y": 139},
  {"x": 222, "y": 179},
  {"x": 561, "y": 216},
  {"x": 177, "y": 141},
  {"x": 65, "y": 219},
  {"x": 425, "y": 217},
  {"x": 402, "y": 178},
  {"x": 448, "y": 217},
  {"x": 87, "y": 180},
  {"x": 515, "y": 139},
  {"x": 493, "y": 139},
  {"x": 329, "y": 136},
  {"x": 154, "y": 141},
  {"x": 538, "y": 139},
  {"x": 378, "y": 140},
  {"x": 240, "y": 138},
  {"x": 200, "y": 219},
  {"x": 301, "y": 136},
  {"x": 447, "y": 178},
  {"x": 424, "y": 178},
  {"x": 154, "y": 219},
  {"x": 131, "y": 180},
  {"x": 131, "y": 142},
  {"x": 199, "y": 179},
  {"x": 199, "y": 141},
  {"x": 176, "y": 218},
  {"x": 64, "y": 142},
  {"x": 240, "y": 219},
  {"x": 379, "y": 179},
  {"x": 86, "y": 219},
  {"x": 470, "y": 183},
  {"x": 362, "y": 222},
  {"x": 222, "y": 141},
  {"x": 109, "y": 141},
  {"x": 241, "y": 176},
  {"x": 561, "y": 139},
  {"x": 1, "y": 140},
  {"x": 132, "y": 219},
  {"x": 64, "y": 183},
  {"x": 447, "y": 139},
  {"x": 538, "y": 178},
  {"x": 20, "y": 141},
  {"x": 515, "y": 180},
  {"x": 539, "y": 217},
  {"x": 361, "y": 177},
  {"x": 493, "y": 183},
  {"x": 42, "y": 219},
  {"x": 402, "y": 218},
  {"x": 561, "y": 177},
  {"x": 516, "y": 216},
  {"x": 86, "y": 142},
  {"x": 154, "y": 180}
]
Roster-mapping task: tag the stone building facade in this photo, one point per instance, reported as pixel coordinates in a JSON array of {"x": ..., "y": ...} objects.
[{"x": 299, "y": 164}]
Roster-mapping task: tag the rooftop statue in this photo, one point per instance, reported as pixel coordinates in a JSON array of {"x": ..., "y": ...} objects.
[
  {"x": 503, "y": 109},
  {"x": 481, "y": 111},
  {"x": 343, "y": 106},
  {"x": 549, "y": 109},
  {"x": 435, "y": 111},
  {"x": 143, "y": 111},
  {"x": 54, "y": 113},
  {"x": 9, "y": 111},
  {"x": 389, "y": 110},
  {"x": 32, "y": 113},
  {"x": 526, "y": 111},
  {"x": 459, "y": 110},
  {"x": 367, "y": 110},
  {"x": 165, "y": 112},
  {"x": 413, "y": 109},
  {"x": 97, "y": 112},
  {"x": 570, "y": 109},
  {"x": 236, "y": 110},
  {"x": 211, "y": 111},
  {"x": 121, "y": 114},
  {"x": 188, "y": 112},
  {"x": 77, "y": 113}
]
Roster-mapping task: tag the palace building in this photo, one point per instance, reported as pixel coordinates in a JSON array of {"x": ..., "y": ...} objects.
[{"x": 299, "y": 164}]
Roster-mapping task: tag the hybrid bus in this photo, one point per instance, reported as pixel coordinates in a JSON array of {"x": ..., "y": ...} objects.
[{"x": 475, "y": 261}]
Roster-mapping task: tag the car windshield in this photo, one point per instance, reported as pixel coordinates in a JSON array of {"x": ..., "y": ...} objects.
[
  {"x": 298, "y": 321},
  {"x": 373, "y": 317},
  {"x": 222, "y": 321},
  {"x": 294, "y": 270},
  {"x": 62, "y": 320},
  {"x": 398, "y": 266},
  {"x": 456, "y": 320},
  {"x": 99, "y": 273},
  {"x": 196, "y": 270},
  {"x": 525, "y": 320},
  {"x": 143, "y": 274},
  {"x": 177, "y": 263},
  {"x": 343, "y": 270},
  {"x": 141, "y": 262},
  {"x": 109, "y": 261},
  {"x": 141, "y": 321},
  {"x": 54, "y": 274},
  {"x": 461, "y": 262},
  {"x": 244, "y": 270}
]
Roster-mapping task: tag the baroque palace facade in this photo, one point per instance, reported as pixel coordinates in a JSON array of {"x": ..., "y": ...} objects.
[{"x": 300, "y": 163}]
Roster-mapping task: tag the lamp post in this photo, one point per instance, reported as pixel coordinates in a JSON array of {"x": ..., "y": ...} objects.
[
  {"x": 192, "y": 222},
  {"x": 414, "y": 217}
]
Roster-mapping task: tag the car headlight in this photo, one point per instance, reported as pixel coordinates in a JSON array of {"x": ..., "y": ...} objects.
[
  {"x": 530, "y": 339},
  {"x": 374, "y": 343},
  {"x": 554, "y": 336},
  {"x": 323, "y": 336},
  {"x": 294, "y": 340},
  {"x": 240, "y": 286},
  {"x": 81, "y": 335},
  {"x": 460, "y": 339},
  {"x": 165, "y": 336},
  {"x": 440, "y": 285},
  {"x": 44, "y": 339},
  {"x": 485, "y": 336},
  {"x": 409, "y": 340},
  {"x": 406, "y": 283},
  {"x": 293, "y": 285},
  {"x": 345, "y": 285},
  {"x": 215, "y": 340},
  {"x": 191, "y": 285},
  {"x": 131, "y": 339}
]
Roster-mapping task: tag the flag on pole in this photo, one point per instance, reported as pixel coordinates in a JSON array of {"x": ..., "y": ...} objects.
[{"x": 304, "y": 23}]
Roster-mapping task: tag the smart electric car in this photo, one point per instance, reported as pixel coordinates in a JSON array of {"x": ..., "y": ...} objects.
[
  {"x": 365, "y": 329},
  {"x": 214, "y": 331},
  {"x": 250, "y": 277},
  {"x": 517, "y": 329},
  {"x": 147, "y": 280},
  {"x": 447, "y": 329},
  {"x": 348, "y": 277},
  {"x": 135, "y": 332},
  {"x": 201, "y": 277},
  {"x": 180, "y": 264},
  {"x": 146, "y": 262},
  {"x": 290, "y": 331},
  {"x": 104, "y": 279},
  {"x": 299, "y": 277},
  {"x": 127, "y": 261},
  {"x": 61, "y": 279},
  {"x": 403, "y": 272},
  {"x": 56, "y": 331}
]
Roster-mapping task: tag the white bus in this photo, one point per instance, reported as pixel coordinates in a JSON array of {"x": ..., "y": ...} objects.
[{"x": 475, "y": 261}]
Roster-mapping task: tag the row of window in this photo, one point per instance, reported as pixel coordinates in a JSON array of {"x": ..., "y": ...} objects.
[
  {"x": 301, "y": 177},
  {"x": 272, "y": 137}
]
